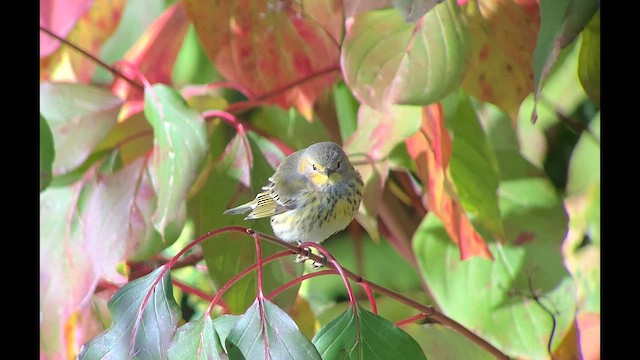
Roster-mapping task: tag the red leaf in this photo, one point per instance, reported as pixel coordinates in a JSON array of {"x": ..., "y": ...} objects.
[
  {"x": 153, "y": 55},
  {"x": 273, "y": 49},
  {"x": 431, "y": 150},
  {"x": 59, "y": 16}
]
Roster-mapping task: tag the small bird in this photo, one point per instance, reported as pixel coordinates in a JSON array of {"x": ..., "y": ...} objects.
[{"x": 313, "y": 194}]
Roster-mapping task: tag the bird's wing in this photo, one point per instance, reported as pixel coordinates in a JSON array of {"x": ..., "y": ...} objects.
[{"x": 269, "y": 203}]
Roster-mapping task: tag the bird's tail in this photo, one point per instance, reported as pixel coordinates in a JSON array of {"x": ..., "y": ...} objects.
[{"x": 241, "y": 209}]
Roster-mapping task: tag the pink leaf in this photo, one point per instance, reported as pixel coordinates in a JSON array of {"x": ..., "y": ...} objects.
[{"x": 59, "y": 16}]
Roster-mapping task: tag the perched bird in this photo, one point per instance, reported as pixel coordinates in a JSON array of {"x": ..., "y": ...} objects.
[{"x": 313, "y": 194}]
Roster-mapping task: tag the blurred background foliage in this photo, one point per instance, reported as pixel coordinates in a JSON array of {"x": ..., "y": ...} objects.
[{"x": 524, "y": 274}]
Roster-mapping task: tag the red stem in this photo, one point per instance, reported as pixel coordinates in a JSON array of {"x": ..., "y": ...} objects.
[
  {"x": 231, "y": 119},
  {"x": 336, "y": 266},
  {"x": 239, "y": 276},
  {"x": 111, "y": 69},
  {"x": 299, "y": 279},
  {"x": 372, "y": 300},
  {"x": 260, "y": 297},
  {"x": 411, "y": 319},
  {"x": 191, "y": 290},
  {"x": 190, "y": 91}
]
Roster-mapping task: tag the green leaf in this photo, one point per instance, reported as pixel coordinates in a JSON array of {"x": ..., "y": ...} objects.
[
  {"x": 412, "y": 64},
  {"x": 224, "y": 323},
  {"x": 495, "y": 298},
  {"x": 289, "y": 126},
  {"x": 80, "y": 117},
  {"x": 156, "y": 327},
  {"x": 180, "y": 145},
  {"x": 265, "y": 322},
  {"x": 47, "y": 153},
  {"x": 584, "y": 168},
  {"x": 442, "y": 342},
  {"x": 196, "y": 340},
  {"x": 361, "y": 334},
  {"x": 474, "y": 167},
  {"x": 229, "y": 253},
  {"x": 413, "y": 10},
  {"x": 346, "y": 109},
  {"x": 560, "y": 23},
  {"x": 589, "y": 62}
]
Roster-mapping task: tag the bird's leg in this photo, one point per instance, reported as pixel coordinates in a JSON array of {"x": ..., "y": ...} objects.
[{"x": 303, "y": 255}]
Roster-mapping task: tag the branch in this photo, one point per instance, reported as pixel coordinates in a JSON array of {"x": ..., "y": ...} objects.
[{"x": 428, "y": 311}]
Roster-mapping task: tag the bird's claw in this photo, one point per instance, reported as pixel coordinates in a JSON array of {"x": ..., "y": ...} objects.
[{"x": 304, "y": 256}]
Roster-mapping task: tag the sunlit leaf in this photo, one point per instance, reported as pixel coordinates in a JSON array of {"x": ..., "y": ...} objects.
[
  {"x": 370, "y": 145},
  {"x": 413, "y": 10},
  {"x": 89, "y": 34},
  {"x": 156, "y": 323},
  {"x": 59, "y": 17},
  {"x": 47, "y": 153},
  {"x": 117, "y": 220},
  {"x": 179, "y": 147},
  {"x": 66, "y": 276},
  {"x": 196, "y": 340},
  {"x": 153, "y": 55},
  {"x": 560, "y": 23},
  {"x": 80, "y": 117},
  {"x": 266, "y": 46},
  {"x": 442, "y": 342},
  {"x": 265, "y": 325},
  {"x": 353, "y": 8},
  {"x": 431, "y": 150},
  {"x": 360, "y": 334},
  {"x": 503, "y": 38},
  {"x": 503, "y": 310},
  {"x": 589, "y": 65},
  {"x": 405, "y": 63}
]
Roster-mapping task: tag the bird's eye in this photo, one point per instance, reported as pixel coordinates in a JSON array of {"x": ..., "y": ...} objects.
[
  {"x": 338, "y": 167},
  {"x": 314, "y": 167}
]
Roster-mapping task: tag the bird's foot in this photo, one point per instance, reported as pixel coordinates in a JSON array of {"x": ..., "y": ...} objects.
[{"x": 304, "y": 256}]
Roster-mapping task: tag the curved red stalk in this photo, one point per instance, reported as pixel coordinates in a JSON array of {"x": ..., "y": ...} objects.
[
  {"x": 411, "y": 319},
  {"x": 372, "y": 300}
]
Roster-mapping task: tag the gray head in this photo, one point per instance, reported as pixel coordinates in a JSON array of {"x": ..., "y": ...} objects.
[{"x": 326, "y": 163}]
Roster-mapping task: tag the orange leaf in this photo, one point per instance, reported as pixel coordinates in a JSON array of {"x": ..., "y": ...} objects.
[
  {"x": 504, "y": 36},
  {"x": 154, "y": 54},
  {"x": 282, "y": 52},
  {"x": 430, "y": 148},
  {"x": 589, "y": 328}
]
